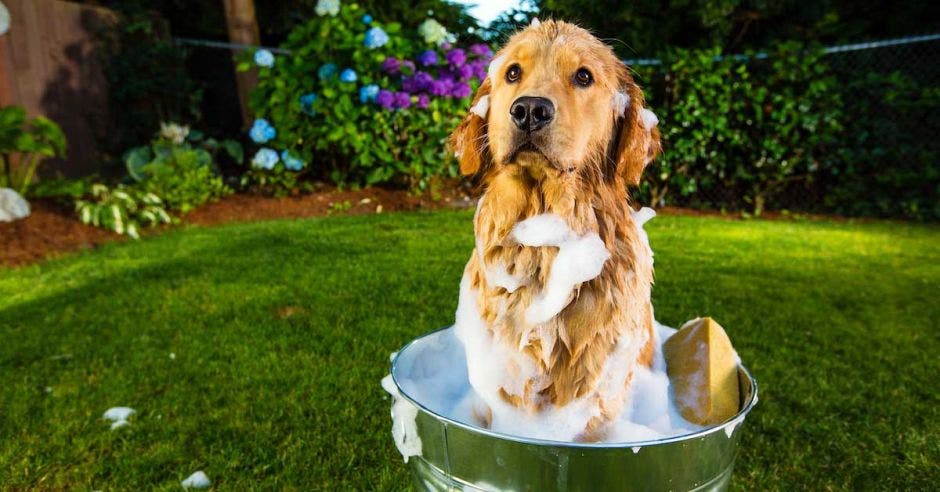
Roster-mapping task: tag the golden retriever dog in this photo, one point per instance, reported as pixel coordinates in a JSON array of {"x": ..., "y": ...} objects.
[{"x": 555, "y": 310}]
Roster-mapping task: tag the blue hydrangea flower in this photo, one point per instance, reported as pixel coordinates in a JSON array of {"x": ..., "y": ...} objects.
[
  {"x": 306, "y": 103},
  {"x": 368, "y": 93},
  {"x": 327, "y": 7},
  {"x": 327, "y": 71},
  {"x": 264, "y": 58},
  {"x": 291, "y": 162},
  {"x": 265, "y": 158},
  {"x": 367, "y": 19},
  {"x": 348, "y": 75},
  {"x": 375, "y": 38},
  {"x": 261, "y": 131}
]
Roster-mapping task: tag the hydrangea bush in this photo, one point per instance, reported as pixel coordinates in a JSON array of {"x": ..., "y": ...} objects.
[{"x": 360, "y": 102}]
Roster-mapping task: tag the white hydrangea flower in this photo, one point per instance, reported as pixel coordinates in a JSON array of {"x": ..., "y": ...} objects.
[
  {"x": 174, "y": 132},
  {"x": 433, "y": 32},
  {"x": 327, "y": 7}
]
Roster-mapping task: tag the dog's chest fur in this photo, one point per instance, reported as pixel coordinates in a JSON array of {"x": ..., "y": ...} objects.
[{"x": 570, "y": 350}]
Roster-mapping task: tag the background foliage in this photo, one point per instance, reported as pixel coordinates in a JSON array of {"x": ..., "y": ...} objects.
[{"x": 350, "y": 137}]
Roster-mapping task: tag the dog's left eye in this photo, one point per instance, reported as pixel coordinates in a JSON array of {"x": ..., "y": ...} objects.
[{"x": 583, "y": 77}]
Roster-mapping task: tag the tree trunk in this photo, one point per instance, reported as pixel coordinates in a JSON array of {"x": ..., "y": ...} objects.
[{"x": 243, "y": 29}]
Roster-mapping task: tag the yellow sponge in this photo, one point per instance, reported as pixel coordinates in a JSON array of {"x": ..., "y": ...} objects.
[{"x": 703, "y": 371}]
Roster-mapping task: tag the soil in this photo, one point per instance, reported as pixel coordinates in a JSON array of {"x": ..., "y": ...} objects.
[{"x": 53, "y": 229}]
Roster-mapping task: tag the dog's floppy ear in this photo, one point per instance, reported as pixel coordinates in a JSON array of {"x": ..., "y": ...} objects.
[
  {"x": 469, "y": 141},
  {"x": 636, "y": 140}
]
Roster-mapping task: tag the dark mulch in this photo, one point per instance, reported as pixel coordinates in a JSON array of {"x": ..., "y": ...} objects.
[{"x": 53, "y": 229}]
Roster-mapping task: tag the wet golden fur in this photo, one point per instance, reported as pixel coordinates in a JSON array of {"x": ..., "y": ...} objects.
[{"x": 590, "y": 155}]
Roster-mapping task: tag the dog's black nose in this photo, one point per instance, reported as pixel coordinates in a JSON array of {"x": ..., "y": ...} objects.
[{"x": 532, "y": 113}]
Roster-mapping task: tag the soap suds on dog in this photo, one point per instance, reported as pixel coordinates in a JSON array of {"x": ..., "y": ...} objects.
[{"x": 436, "y": 372}]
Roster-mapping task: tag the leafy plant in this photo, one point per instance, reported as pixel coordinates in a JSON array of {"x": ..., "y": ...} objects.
[
  {"x": 360, "y": 102},
  {"x": 123, "y": 209},
  {"x": 178, "y": 166},
  {"x": 60, "y": 188},
  {"x": 31, "y": 140}
]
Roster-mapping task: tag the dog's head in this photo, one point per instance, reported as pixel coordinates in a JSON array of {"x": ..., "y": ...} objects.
[{"x": 557, "y": 96}]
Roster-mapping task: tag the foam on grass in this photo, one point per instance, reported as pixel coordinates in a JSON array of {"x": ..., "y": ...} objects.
[
  {"x": 197, "y": 480},
  {"x": 118, "y": 416}
]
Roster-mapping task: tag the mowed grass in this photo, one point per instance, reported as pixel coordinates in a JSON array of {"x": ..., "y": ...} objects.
[{"x": 282, "y": 330}]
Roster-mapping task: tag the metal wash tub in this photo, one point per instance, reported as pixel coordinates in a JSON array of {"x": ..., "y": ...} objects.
[{"x": 458, "y": 456}]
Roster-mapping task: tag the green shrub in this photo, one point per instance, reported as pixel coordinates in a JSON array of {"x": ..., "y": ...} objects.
[
  {"x": 741, "y": 128},
  {"x": 889, "y": 152},
  {"x": 387, "y": 125},
  {"x": 178, "y": 167},
  {"x": 33, "y": 140},
  {"x": 123, "y": 209}
]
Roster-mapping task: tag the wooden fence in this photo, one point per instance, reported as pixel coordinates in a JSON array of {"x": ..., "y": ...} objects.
[{"x": 48, "y": 65}]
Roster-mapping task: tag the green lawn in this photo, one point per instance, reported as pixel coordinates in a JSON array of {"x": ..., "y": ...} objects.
[{"x": 281, "y": 332}]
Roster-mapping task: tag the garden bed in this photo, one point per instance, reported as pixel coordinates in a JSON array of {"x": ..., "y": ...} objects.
[{"x": 53, "y": 229}]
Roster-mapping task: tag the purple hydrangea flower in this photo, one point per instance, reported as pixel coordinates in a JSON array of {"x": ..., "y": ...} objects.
[
  {"x": 439, "y": 88},
  {"x": 427, "y": 58},
  {"x": 481, "y": 49},
  {"x": 456, "y": 57},
  {"x": 385, "y": 99},
  {"x": 423, "y": 101},
  {"x": 410, "y": 65},
  {"x": 423, "y": 81},
  {"x": 464, "y": 72},
  {"x": 479, "y": 68},
  {"x": 402, "y": 100},
  {"x": 391, "y": 65},
  {"x": 461, "y": 90},
  {"x": 446, "y": 46}
]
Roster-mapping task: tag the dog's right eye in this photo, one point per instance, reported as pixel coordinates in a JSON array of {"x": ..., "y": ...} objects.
[{"x": 513, "y": 73}]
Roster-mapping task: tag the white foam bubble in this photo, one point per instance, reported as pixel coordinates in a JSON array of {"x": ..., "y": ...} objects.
[
  {"x": 481, "y": 107},
  {"x": 648, "y": 119},
  {"x": 118, "y": 416},
  {"x": 620, "y": 102},
  {"x": 197, "y": 480},
  {"x": 404, "y": 428},
  {"x": 495, "y": 64}
]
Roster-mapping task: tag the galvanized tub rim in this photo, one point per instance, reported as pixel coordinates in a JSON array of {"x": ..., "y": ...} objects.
[{"x": 733, "y": 421}]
